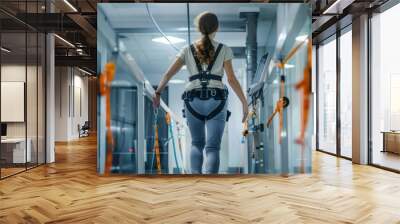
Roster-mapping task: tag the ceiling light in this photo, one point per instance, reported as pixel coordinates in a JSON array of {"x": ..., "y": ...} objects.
[
  {"x": 177, "y": 81},
  {"x": 282, "y": 37},
  {"x": 70, "y": 5},
  {"x": 182, "y": 28},
  {"x": 289, "y": 66},
  {"x": 173, "y": 40},
  {"x": 65, "y": 41},
  {"x": 5, "y": 50},
  {"x": 302, "y": 38},
  {"x": 129, "y": 57},
  {"x": 84, "y": 71}
]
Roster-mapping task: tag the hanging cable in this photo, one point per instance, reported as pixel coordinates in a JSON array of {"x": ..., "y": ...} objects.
[
  {"x": 178, "y": 130},
  {"x": 159, "y": 29},
  {"x": 188, "y": 21},
  {"x": 169, "y": 124}
]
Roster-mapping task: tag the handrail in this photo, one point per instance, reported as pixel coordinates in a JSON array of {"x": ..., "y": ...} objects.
[{"x": 293, "y": 51}]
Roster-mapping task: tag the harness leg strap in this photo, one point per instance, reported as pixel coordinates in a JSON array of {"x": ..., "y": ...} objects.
[
  {"x": 211, "y": 115},
  {"x": 216, "y": 110},
  {"x": 193, "y": 112}
]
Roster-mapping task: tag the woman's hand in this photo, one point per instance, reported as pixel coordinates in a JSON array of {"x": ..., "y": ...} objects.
[
  {"x": 245, "y": 113},
  {"x": 156, "y": 100}
]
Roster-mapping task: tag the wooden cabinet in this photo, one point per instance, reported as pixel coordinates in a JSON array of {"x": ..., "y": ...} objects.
[{"x": 391, "y": 142}]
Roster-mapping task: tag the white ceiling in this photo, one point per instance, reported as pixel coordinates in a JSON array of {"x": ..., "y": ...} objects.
[
  {"x": 125, "y": 15},
  {"x": 154, "y": 58}
]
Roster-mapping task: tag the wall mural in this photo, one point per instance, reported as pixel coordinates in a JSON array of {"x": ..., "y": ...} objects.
[{"x": 195, "y": 88}]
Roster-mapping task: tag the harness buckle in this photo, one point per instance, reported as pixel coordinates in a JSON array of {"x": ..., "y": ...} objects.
[
  {"x": 213, "y": 92},
  {"x": 204, "y": 82},
  {"x": 204, "y": 94},
  {"x": 203, "y": 78}
]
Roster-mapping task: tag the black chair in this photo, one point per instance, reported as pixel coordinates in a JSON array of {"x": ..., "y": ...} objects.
[{"x": 84, "y": 130}]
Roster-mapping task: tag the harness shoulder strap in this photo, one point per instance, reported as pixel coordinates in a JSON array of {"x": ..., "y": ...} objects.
[
  {"x": 210, "y": 66},
  {"x": 215, "y": 57},
  {"x": 196, "y": 60}
]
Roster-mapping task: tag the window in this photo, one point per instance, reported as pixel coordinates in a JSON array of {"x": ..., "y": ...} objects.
[
  {"x": 346, "y": 94},
  {"x": 385, "y": 89},
  {"x": 327, "y": 97}
]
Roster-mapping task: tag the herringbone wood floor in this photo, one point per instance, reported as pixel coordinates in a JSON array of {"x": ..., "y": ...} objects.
[{"x": 70, "y": 191}]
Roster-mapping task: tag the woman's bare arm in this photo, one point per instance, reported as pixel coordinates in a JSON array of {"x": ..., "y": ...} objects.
[
  {"x": 172, "y": 70},
  {"x": 234, "y": 83}
]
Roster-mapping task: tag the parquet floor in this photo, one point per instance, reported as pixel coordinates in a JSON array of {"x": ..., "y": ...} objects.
[{"x": 70, "y": 191}]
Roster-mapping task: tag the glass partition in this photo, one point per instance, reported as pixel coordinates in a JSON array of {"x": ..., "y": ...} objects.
[
  {"x": 22, "y": 91},
  {"x": 15, "y": 149}
]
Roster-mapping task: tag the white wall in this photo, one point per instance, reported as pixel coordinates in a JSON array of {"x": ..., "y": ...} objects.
[
  {"x": 81, "y": 84},
  {"x": 70, "y": 83},
  {"x": 33, "y": 126},
  {"x": 61, "y": 103},
  {"x": 16, "y": 73}
]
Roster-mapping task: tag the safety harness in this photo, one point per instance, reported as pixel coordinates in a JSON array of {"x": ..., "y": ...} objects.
[{"x": 205, "y": 93}]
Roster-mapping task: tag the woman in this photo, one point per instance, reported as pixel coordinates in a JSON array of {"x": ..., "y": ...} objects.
[{"x": 205, "y": 95}]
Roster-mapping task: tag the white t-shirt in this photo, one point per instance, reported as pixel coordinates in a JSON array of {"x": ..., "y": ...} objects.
[{"x": 218, "y": 69}]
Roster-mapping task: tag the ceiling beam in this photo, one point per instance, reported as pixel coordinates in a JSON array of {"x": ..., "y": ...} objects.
[
  {"x": 84, "y": 24},
  {"x": 45, "y": 22},
  {"x": 337, "y": 6}
]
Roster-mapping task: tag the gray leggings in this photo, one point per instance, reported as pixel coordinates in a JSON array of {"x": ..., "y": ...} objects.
[{"x": 206, "y": 135}]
